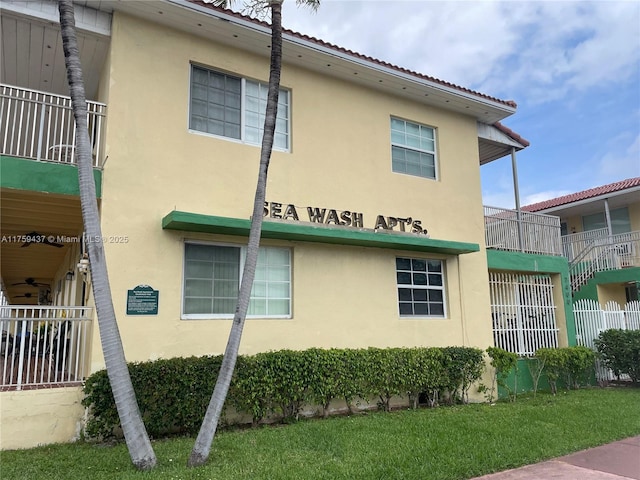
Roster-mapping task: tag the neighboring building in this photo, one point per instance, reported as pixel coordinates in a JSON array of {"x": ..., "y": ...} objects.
[
  {"x": 601, "y": 239},
  {"x": 374, "y": 232}
]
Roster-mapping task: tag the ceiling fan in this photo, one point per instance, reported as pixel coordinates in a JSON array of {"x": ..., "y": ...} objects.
[
  {"x": 35, "y": 237},
  {"x": 26, "y": 295},
  {"x": 31, "y": 282}
]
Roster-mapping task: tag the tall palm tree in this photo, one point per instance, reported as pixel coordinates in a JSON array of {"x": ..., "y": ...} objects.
[
  {"x": 201, "y": 449},
  {"x": 135, "y": 434}
]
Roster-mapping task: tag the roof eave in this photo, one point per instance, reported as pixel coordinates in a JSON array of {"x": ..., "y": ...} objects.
[
  {"x": 585, "y": 201},
  {"x": 482, "y": 107}
]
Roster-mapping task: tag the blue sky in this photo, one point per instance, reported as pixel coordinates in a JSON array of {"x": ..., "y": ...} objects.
[{"x": 572, "y": 67}]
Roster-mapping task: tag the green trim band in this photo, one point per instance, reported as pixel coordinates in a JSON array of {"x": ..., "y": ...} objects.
[
  {"x": 305, "y": 232},
  {"x": 624, "y": 275},
  {"x": 24, "y": 174},
  {"x": 526, "y": 262}
]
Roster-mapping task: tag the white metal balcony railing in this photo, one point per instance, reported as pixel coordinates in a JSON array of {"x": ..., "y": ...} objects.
[
  {"x": 540, "y": 233},
  {"x": 576, "y": 243},
  {"x": 40, "y": 126},
  {"x": 43, "y": 345},
  {"x": 607, "y": 252}
]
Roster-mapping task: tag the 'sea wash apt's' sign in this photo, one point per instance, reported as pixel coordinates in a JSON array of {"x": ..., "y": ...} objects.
[
  {"x": 346, "y": 218},
  {"x": 142, "y": 300}
]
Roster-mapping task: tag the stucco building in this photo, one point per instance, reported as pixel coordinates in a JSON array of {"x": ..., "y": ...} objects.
[
  {"x": 374, "y": 234},
  {"x": 601, "y": 239}
]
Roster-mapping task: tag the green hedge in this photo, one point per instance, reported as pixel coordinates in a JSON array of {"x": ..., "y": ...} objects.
[
  {"x": 173, "y": 394},
  {"x": 573, "y": 365},
  {"x": 620, "y": 351}
]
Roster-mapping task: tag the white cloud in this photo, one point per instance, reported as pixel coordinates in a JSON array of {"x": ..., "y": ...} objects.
[
  {"x": 539, "y": 49},
  {"x": 572, "y": 66},
  {"x": 623, "y": 162}
]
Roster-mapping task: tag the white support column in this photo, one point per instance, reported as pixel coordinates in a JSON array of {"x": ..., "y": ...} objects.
[
  {"x": 607, "y": 215},
  {"x": 516, "y": 191}
]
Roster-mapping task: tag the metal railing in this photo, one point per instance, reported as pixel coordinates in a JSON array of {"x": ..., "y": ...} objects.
[
  {"x": 43, "y": 346},
  {"x": 576, "y": 243},
  {"x": 540, "y": 233},
  {"x": 608, "y": 252},
  {"x": 40, "y": 126}
]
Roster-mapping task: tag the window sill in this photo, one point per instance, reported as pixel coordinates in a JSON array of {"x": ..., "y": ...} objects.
[
  {"x": 230, "y": 317},
  {"x": 235, "y": 140}
]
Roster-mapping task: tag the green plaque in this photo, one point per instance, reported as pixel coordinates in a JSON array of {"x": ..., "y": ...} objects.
[{"x": 142, "y": 300}]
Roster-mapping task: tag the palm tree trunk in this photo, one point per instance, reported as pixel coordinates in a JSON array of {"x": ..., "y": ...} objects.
[
  {"x": 135, "y": 434},
  {"x": 201, "y": 449}
]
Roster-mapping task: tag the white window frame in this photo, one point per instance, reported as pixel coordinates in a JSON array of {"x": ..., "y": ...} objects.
[
  {"x": 243, "y": 255},
  {"x": 282, "y": 114},
  {"x": 412, "y": 148},
  {"x": 412, "y": 286}
]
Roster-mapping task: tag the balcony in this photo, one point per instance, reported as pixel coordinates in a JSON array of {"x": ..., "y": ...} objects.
[
  {"x": 44, "y": 346},
  {"x": 40, "y": 126},
  {"x": 597, "y": 251},
  {"x": 522, "y": 231}
]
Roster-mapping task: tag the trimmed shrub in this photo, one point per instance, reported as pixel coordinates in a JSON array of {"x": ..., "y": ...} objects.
[
  {"x": 620, "y": 352},
  {"x": 554, "y": 363},
  {"x": 580, "y": 363},
  {"x": 423, "y": 375},
  {"x": 173, "y": 394},
  {"x": 462, "y": 367},
  {"x": 503, "y": 362},
  {"x": 571, "y": 364}
]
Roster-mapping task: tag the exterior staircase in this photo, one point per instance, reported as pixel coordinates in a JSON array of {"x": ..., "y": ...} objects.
[{"x": 601, "y": 253}]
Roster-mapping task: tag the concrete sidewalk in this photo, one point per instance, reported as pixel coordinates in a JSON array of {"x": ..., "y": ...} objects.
[{"x": 614, "y": 461}]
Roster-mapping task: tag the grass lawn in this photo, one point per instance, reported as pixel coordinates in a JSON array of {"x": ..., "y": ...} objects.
[{"x": 444, "y": 443}]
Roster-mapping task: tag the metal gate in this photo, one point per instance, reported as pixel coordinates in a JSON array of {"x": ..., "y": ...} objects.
[{"x": 523, "y": 312}]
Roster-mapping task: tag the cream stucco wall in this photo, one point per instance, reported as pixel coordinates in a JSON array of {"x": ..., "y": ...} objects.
[
  {"x": 574, "y": 222},
  {"x": 40, "y": 417},
  {"x": 634, "y": 216},
  {"x": 340, "y": 158},
  {"x": 611, "y": 292}
]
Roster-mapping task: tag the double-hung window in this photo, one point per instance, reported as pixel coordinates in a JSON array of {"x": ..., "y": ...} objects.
[
  {"x": 212, "y": 275},
  {"x": 234, "y": 107},
  {"x": 413, "y": 148},
  {"x": 420, "y": 287}
]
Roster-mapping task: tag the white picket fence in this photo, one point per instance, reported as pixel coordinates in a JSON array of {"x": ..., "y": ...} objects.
[{"x": 591, "y": 319}]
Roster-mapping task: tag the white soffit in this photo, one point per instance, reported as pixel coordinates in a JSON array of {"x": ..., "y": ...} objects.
[
  {"x": 87, "y": 19},
  {"x": 254, "y": 37}
]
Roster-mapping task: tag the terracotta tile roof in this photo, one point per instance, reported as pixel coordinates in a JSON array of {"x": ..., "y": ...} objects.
[
  {"x": 585, "y": 194},
  {"x": 351, "y": 53},
  {"x": 510, "y": 133}
]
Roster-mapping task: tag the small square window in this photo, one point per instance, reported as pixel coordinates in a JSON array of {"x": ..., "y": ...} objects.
[{"x": 420, "y": 287}]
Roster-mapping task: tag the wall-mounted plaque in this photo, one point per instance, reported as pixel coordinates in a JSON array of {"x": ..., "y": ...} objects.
[{"x": 142, "y": 300}]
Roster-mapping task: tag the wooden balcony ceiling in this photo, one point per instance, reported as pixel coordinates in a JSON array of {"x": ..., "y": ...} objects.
[
  {"x": 31, "y": 55},
  {"x": 23, "y": 212}
]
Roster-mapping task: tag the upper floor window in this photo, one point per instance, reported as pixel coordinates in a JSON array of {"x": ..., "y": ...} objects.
[
  {"x": 413, "y": 148},
  {"x": 212, "y": 275},
  {"x": 234, "y": 107},
  {"x": 620, "y": 222}
]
